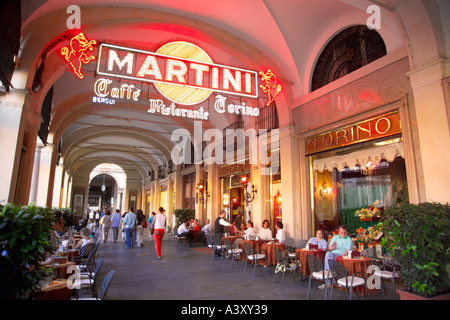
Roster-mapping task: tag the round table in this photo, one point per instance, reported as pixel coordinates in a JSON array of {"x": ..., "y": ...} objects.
[
  {"x": 301, "y": 254},
  {"x": 270, "y": 255},
  {"x": 194, "y": 235},
  {"x": 56, "y": 290},
  {"x": 359, "y": 264}
]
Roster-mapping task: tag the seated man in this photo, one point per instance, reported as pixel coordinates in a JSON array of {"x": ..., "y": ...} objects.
[
  {"x": 183, "y": 231},
  {"x": 339, "y": 245},
  {"x": 206, "y": 229}
]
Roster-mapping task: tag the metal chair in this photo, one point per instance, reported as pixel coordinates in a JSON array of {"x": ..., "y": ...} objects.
[
  {"x": 283, "y": 265},
  {"x": 84, "y": 253},
  {"x": 210, "y": 242},
  {"x": 88, "y": 280},
  {"x": 317, "y": 273},
  {"x": 251, "y": 255},
  {"x": 343, "y": 280},
  {"x": 390, "y": 272},
  {"x": 218, "y": 246},
  {"x": 104, "y": 289},
  {"x": 179, "y": 239},
  {"x": 230, "y": 250}
]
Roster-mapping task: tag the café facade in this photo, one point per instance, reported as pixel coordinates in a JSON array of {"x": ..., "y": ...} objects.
[{"x": 295, "y": 111}]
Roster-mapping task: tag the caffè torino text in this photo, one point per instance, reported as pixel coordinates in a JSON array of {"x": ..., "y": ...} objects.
[{"x": 382, "y": 126}]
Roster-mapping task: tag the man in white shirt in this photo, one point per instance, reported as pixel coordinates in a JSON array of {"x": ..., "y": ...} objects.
[
  {"x": 183, "y": 231},
  {"x": 250, "y": 231},
  {"x": 281, "y": 235},
  {"x": 207, "y": 228},
  {"x": 221, "y": 223}
]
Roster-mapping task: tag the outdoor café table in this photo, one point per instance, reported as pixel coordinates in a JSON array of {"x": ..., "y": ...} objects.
[
  {"x": 60, "y": 270},
  {"x": 256, "y": 244},
  {"x": 232, "y": 239},
  {"x": 56, "y": 290},
  {"x": 301, "y": 254},
  {"x": 70, "y": 254},
  {"x": 194, "y": 235},
  {"x": 269, "y": 247},
  {"x": 357, "y": 264}
]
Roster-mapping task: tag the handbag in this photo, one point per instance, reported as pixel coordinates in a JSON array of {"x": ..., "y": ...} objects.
[{"x": 144, "y": 224}]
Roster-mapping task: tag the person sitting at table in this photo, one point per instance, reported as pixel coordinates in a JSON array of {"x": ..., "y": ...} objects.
[
  {"x": 58, "y": 226},
  {"x": 281, "y": 234},
  {"x": 195, "y": 225},
  {"x": 265, "y": 233},
  {"x": 339, "y": 245},
  {"x": 183, "y": 231},
  {"x": 206, "y": 229},
  {"x": 85, "y": 235},
  {"x": 90, "y": 226},
  {"x": 319, "y": 240}
]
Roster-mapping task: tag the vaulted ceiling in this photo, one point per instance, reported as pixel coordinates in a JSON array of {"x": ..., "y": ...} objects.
[{"x": 286, "y": 36}]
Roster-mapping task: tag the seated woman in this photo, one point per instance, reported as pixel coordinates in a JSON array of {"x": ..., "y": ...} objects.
[
  {"x": 85, "y": 234},
  {"x": 195, "y": 225},
  {"x": 58, "y": 226},
  {"x": 281, "y": 235},
  {"x": 319, "y": 240},
  {"x": 265, "y": 233}
]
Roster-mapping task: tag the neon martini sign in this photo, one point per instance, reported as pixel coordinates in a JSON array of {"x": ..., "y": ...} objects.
[{"x": 181, "y": 72}]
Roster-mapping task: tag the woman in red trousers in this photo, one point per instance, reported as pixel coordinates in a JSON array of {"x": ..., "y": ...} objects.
[{"x": 158, "y": 225}]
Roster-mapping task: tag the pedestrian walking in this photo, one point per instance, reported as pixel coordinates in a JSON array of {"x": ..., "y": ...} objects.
[
  {"x": 151, "y": 230},
  {"x": 129, "y": 223},
  {"x": 159, "y": 224},
  {"x": 106, "y": 225},
  {"x": 115, "y": 224},
  {"x": 139, "y": 228}
]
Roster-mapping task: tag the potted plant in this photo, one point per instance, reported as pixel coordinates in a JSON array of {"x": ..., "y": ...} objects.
[
  {"x": 24, "y": 242},
  {"x": 182, "y": 215},
  {"x": 417, "y": 237}
]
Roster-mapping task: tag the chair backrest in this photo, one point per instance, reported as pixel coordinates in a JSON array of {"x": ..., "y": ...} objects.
[
  {"x": 209, "y": 238},
  {"x": 278, "y": 255},
  {"x": 369, "y": 252},
  {"x": 99, "y": 265},
  {"x": 289, "y": 242},
  {"x": 86, "y": 250},
  {"x": 248, "y": 249},
  {"x": 227, "y": 243},
  {"x": 390, "y": 263},
  {"x": 105, "y": 284},
  {"x": 314, "y": 263},
  {"x": 337, "y": 270}
]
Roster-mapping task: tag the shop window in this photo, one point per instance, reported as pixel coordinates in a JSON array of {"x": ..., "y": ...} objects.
[
  {"x": 346, "y": 182},
  {"x": 189, "y": 191},
  {"x": 350, "y": 50}
]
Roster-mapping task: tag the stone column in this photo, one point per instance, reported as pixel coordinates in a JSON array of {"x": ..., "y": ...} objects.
[{"x": 432, "y": 114}]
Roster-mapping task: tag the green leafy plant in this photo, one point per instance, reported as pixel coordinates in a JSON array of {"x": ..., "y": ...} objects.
[
  {"x": 418, "y": 237},
  {"x": 182, "y": 215},
  {"x": 67, "y": 214},
  {"x": 24, "y": 241}
]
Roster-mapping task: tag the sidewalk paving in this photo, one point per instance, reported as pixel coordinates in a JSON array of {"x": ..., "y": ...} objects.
[{"x": 187, "y": 273}]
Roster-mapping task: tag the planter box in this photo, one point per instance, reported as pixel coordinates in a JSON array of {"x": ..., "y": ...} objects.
[
  {"x": 370, "y": 219},
  {"x": 406, "y": 295}
]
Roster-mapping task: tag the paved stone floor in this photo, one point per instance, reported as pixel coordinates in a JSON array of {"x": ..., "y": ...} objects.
[{"x": 186, "y": 273}]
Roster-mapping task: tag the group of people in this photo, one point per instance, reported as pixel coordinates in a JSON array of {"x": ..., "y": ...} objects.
[
  {"x": 131, "y": 224},
  {"x": 339, "y": 245},
  {"x": 247, "y": 230}
]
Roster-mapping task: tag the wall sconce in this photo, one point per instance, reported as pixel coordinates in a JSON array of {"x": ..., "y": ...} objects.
[
  {"x": 278, "y": 199},
  {"x": 326, "y": 192},
  {"x": 201, "y": 188},
  {"x": 226, "y": 199},
  {"x": 249, "y": 197}
]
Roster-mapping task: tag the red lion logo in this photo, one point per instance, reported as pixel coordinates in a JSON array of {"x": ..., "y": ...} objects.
[
  {"x": 77, "y": 49},
  {"x": 271, "y": 88}
]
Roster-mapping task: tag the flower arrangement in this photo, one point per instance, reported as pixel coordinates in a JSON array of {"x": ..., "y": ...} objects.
[
  {"x": 372, "y": 211},
  {"x": 369, "y": 235}
]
